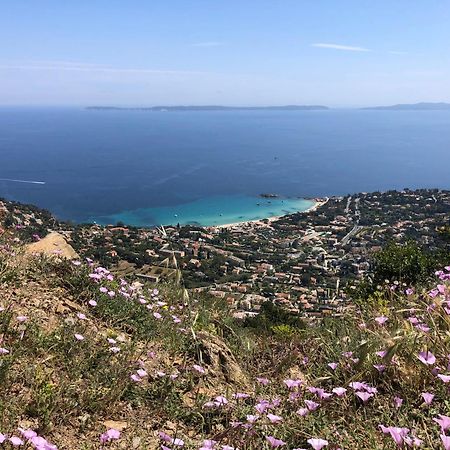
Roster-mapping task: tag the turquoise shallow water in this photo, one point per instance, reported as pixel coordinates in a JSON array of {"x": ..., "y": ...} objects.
[{"x": 210, "y": 211}]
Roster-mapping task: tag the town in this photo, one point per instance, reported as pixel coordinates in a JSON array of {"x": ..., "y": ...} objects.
[{"x": 303, "y": 262}]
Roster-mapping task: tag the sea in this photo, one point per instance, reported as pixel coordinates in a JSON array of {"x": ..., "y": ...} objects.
[{"x": 148, "y": 168}]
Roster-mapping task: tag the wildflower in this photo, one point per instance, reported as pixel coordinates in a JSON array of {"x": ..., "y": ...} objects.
[
  {"x": 302, "y": 412},
  {"x": 446, "y": 441},
  {"x": 16, "y": 441},
  {"x": 22, "y": 318},
  {"x": 141, "y": 373},
  {"x": 292, "y": 383},
  {"x": 409, "y": 291},
  {"x": 380, "y": 367},
  {"x": 262, "y": 406},
  {"x": 364, "y": 396},
  {"x": 92, "y": 302},
  {"x": 111, "y": 341},
  {"x": 81, "y": 316},
  {"x": 381, "y": 353},
  {"x": 339, "y": 391},
  {"x": 427, "y": 397},
  {"x": 157, "y": 315},
  {"x": 114, "y": 349},
  {"x": 443, "y": 421},
  {"x": 208, "y": 444},
  {"x": 427, "y": 358},
  {"x": 398, "y": 402},
  {"x": 79, "y": 337},
  {"x": 2, "y": 438},
  {"x": 317, "y": 444},
  {"x": 381, "y": 320},
  {"x": 274, "y": 419},
  {"x": 103, "y": 290},
  {"x": 332, "y": 365},
  {"x": 240, "y": 395},
  {"x": 251, "y": 418},
  {"x": 358, "y": 386},
  {"x": 274, "y": 442},
  {"x": 136, "y": 378},
  {"x": 263, "y": 381},
  {"x": 3, "y": 351},
  {"x": 110, "y": 435},
  {"x": 312, "y": 406},
  {"x": 397, "y": 434},
  {"x": 444, "y": 378},
  {"x": 199, "y": 369},
  {"x": 220, "y": 401},
  {"x": 76, "y": 263}
]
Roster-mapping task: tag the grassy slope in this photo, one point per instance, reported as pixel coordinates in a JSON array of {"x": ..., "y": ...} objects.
[{"x": 67, "y": 388}]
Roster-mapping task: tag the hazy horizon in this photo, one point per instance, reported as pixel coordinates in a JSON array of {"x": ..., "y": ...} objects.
[{"x": 260, "y": 53}]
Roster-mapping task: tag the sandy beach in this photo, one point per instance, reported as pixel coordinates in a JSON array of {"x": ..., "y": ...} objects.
[{"x": 318, "y": 202}]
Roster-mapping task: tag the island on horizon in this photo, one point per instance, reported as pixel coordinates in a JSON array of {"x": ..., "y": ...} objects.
[
  {"x": 212, "y": 108},
  {"x": 423, "y": 106}
]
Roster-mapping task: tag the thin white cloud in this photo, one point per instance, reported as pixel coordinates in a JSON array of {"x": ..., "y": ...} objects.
[
  {"x": 93, "y": 68},
  {"x": 348, "y": 48},
  {"x": 208, "y": 44}
]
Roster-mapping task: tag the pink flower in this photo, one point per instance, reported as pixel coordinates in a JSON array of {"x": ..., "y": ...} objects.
[
  {"x": 398, "y": 402},
  {"x": 240, "y": 395},
  {"x": 79, "y": 337},
  {"x": 2, "y": 438},
  {"x": 81, "y": 316},
  {"x": 22, "y": 318},
  {"x": 136, "y": 378},
  {"x": 443, "y": 421},
  {"x": 312, "y": 406},
  {"x": 110, "y": 435},
  {"x": 380, "y": 367},
  {"x": 252, "y": 418},
  {"x": 303, "y": 412},
  {"x": 427, "y": 397},
  {"x": 364, "y": 396},
  {"x": 220, "y": 401},
  {"x": 274, "y": 419},
  {"x": 381, "y": 353},
  {"x": 444, "y": 378},
  {"x": 446, "y": 441},
  {"x": 263, "y": 381},
  {"x": 381, "y": 320},
  {"x": 317, "y": 444},
  {"x": 199, "y": 369},
  {"x": 3, "y": 351},
  {"x": 16, "y": 441},
  {"x": 339, "y": 391},
  {"x": 141, "y": 373},
  {"x": 427, "y": 358},
  {"x": 274, "y": 442},
  {"x": 92, "y": 302},
  {"x": 332, "y": 365},
  {"x": 397, "y": 434},
  {"x": 292, "y": 383}
]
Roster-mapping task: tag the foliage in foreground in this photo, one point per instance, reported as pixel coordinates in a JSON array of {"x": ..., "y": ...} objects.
[{"x": 377, "y": 378}]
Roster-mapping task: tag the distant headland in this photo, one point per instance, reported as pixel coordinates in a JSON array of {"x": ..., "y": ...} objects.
[
  {"x": 213, "y": 108},
  {"x": 413, "y": 107}
]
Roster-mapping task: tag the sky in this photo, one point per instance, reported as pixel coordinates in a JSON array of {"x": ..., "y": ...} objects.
[{"x": 340, "y": 53}]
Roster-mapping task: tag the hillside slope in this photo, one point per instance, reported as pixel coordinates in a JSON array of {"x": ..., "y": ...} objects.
[{"x": 89, "y": 361}]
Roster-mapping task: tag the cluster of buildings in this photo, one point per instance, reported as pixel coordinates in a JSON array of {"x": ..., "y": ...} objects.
[{"x": 304, "y": 262}]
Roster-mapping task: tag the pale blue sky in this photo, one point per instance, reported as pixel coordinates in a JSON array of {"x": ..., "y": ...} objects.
[{"x": 247, "y": 52}]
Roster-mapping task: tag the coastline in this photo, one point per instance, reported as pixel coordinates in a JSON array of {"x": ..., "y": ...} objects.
[{"x": 318, "y": 202}]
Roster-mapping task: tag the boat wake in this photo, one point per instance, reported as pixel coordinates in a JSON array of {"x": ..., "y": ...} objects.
[{"x": 22, "y": 181}]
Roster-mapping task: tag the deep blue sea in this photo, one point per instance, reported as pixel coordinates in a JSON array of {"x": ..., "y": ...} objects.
[{"x": 148, "y": 168}]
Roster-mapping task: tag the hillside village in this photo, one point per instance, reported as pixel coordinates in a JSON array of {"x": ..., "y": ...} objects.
[{"x": 304, "y": 262}]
